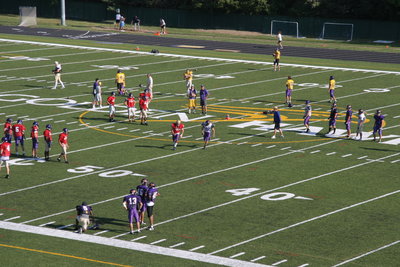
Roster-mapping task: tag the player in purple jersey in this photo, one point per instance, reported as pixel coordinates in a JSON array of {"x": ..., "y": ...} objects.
[
  {"x": 332, "y": 119},
  {"x": 133, "y": 203},
  {"x": 378, "y": 125},
  {"x": 151, "y": 195},
  {"x": 141, "y": 191},
  {"x": 208, "y": 131},
  {"x": 203, "y": 99},
  {"x": 307, "y": 115},
  {"x": 84, "y": 212},
  {"x": 349, "y": 114}
]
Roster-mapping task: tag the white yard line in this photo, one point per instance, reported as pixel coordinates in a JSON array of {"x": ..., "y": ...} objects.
[
  {"x": 158, "y": 241},
  {"x": 138, "y": 238},
  {"x": 101, "y": 232},
  {"x": 307, "y": 221},
  {"x": 65, "y": 226},
  {"x": 177, "y": 245},
  {"x": 196, "y": 248},
  {"x": 279, "y": 262},
  {"x": 366, "y": 254},
  {"x": 237, "y": 255},
  {"x": 44, "y": 224},
  {"x": 141, "y": 247},
  {"x": 12, "y": 218},
  {"x": 258, "y": 258}
]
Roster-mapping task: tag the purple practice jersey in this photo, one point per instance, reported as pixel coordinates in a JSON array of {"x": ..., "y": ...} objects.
[
  {"x": 203, "y": 94},
  {"x": 83, "y": 209},
  {"x": 132, "y": 201},
  {"x": 141, "y": 190},
  {"x": 378, "y": 120},
  {"x": 151, "y": 194},
  {"x": 349, "y": 113}
]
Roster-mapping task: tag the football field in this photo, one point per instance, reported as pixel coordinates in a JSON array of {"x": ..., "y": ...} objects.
[{"x": 308, "y": 199}]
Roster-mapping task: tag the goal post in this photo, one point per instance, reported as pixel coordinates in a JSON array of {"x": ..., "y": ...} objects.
[
  {"x": 290, "y": 28},
  {"x": 337, "y": 31},
  {"x": 27, "y": 15}
]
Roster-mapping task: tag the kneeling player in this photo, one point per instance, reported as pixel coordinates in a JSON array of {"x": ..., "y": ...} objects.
[
  {"x": 207, "y": 130},
  {"x": 84, "y": 212}
]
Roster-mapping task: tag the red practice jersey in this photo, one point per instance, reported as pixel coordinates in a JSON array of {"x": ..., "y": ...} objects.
[
  {"x": 176, "y": 129},
  {"x": 18, "y": 130}
]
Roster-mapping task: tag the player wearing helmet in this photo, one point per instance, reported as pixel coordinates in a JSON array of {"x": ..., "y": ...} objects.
[
  {"x": 120, "y": 81},
  {"x": 289, "y": 90},
  {"x": 84, "y": 212},
  {"x": 63, "y": 142},
  {"x": 144, "y": 106},
  {"x": 5, "y": 152},
  {"x": 332, "y": 119},
  {"x": 151, "y": 195},
  {"x": 378, "y": 125},
  {"x": 192, "y": 94},
  {"x": 349, "y": 114},
  {"x": 177, "y": 130},
  {"x": 307, "y": 115},
  {"x": 111, "y": 106},
  {"x": 130, "y": 104},
  {"x": 141, "y": 191},
  {"x": 97, "y": 94},
  {"x": 35, "y": 139},
  {"x": 208, "y": 131},
  {"x": 48, "y": 139},
  {"x": 18, "y": 130},
  {"x": 8, "y": 130}
]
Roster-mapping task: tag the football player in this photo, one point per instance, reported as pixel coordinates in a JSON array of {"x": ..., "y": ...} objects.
[
  {"x": 307, "y": 115},
  {"x": 332, "y": 119},
  {"x": 289, "y": 90},
  {"x": 203, "y": 99},
  {"x": 8, "y": 130},
  {"x": 97, "y": 94},
  {"x": 188, "y": 77},
  {"x": 208, "y": 131},
  {"x": 63, "y": 142},
  {"x": 378, "y": 125},
  {"x": 35, "y": 139},
  {"x": 151, "y": 195},
  {"x": 277, "y": 57},
  {"x": 57, "y": 75},
  {"x": 82, "y": 221},
  {"x": 48, "y": 139},
  {"x": 130, "y": 104},
  {"x": 177, "y": 130},
  {"x": 141, "y": 191},
  {"x": 5, "y": 152},
  {"x": 19, "y": 135},
  {"x": 133, "y": 203},
  {"x": 192, "y": 93},
  {"x": 331, "y": 89},
  {"x": 144, "y": 106},
  {"x": 120, "y": 81},
  {"x": 349, "y": 114},
  {"x": 111, "y": 106}
]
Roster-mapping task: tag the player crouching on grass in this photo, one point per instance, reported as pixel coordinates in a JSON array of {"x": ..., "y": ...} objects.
[
  {"x": 208, "y": 131},
  {"x": 82, "y": 221},
  {"x": 63, "y": 142}
]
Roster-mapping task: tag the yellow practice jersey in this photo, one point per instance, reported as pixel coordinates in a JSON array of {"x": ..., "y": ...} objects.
[
  {"x": 277, "y": 54},
  {"x": 289, "y": 84},
  {"x": 120, "y": 78},
  {"x": 332, "y": 84},
  {"x": 188, "y": 75}
]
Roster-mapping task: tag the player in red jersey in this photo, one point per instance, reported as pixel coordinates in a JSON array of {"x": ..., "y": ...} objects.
[
  {"x": 48, "y": 139},
  {"x": 144, "y": 105},
  {"x": 19, "y": 135},
  {"x": 111, "y": 106},
  {"x": 8, "y": 130},
  {"x": 130, "y": 104},
  {"x": 63, "y": 142},
  {"x": 35, "y": 138},
  {"x": 5, "y": 152},
  {"x": 177, "y": 130}
]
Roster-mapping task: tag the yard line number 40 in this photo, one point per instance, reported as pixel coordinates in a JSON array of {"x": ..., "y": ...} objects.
[{"x": 275, "y": 196}]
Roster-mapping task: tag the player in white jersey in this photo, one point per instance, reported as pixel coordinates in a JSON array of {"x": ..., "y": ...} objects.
[
  {"x": 361, "y": 119},
  {"x": 57, "y": 75},
  {"x": 208, "y": 131},
  {"x": 149, "y": 86}
]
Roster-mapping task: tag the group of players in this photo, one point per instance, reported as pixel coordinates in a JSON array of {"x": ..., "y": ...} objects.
[
  {"x": 378, "y": 116},
  {"x": 17, "y": 131},
  {"x": 138, "y": 202}
]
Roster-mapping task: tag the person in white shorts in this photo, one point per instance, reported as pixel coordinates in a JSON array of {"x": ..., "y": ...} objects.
[
  {"x": 97, "y": 100},
  {"x": 361, "y": 120},
  {"x": 130, "y": 104},
  {"x": 5, "y": 152},
  {"x": 149, "y": 86},
  {"x": 57, "y": 75}
]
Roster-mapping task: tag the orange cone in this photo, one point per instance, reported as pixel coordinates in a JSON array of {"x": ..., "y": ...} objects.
[
  {"x": 157, "y": 33},
  {"x": 137, "y": 48},
  {"x": 227, "y": 117}
]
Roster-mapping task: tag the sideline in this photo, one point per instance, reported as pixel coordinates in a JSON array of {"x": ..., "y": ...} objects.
[
  {"x": 128, "y": 245},
  {"x": 193, "y": 57}
]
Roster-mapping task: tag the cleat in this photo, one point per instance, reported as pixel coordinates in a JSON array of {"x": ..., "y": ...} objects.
[
  {"x": 143, "y": 223},
  {"x": 58, "y": 159},
  {"x": 67, "y": 162},
  {"x": 282, "y": 136},
  {"x": 7, "y": 176},
  {"x": 273, "y": 137},
  {"x": 138, "y": 231},
  {"x": 131, "y": 232},
  {"x": 80, "y": 231},
  {"x": 151, "y": 228}
]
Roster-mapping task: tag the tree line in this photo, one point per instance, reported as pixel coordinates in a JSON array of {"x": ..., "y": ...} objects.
[{"x": 341, "y": 9}]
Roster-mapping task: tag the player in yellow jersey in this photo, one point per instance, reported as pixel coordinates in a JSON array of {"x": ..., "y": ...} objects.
[
  {"x": 289, "y": 89},
  {"x": 188, "y": 77},
  {"x": 331, "y": 88},
  {"x": 120, "y": 81},
  {"x": 277, "y": 57}
]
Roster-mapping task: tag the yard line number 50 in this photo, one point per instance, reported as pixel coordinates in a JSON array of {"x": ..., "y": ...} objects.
[{"x": 107, "y": 174}]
